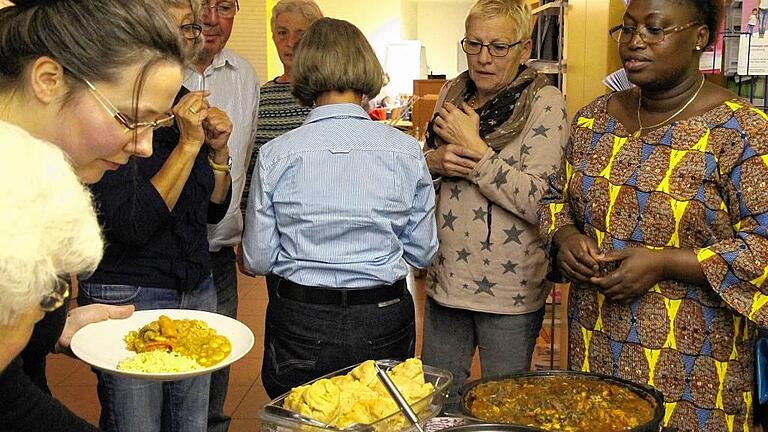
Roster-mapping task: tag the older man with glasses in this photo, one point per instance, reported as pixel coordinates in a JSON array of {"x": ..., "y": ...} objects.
[{"x": 234, "y": 87}]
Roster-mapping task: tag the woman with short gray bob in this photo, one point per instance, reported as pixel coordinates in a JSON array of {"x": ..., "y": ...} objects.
[
  {"x": 93, "y": 78},
  {"x": 338, "y": 209}
]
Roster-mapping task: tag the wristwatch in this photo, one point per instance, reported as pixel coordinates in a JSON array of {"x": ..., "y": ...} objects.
[{"x": 221, "y": 167}]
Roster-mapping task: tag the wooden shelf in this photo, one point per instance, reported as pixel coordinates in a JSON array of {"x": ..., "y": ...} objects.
[{"x": 552, "y": 8}]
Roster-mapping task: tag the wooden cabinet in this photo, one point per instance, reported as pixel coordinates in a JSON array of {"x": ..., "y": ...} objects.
[{"x": 427, "y": 91}]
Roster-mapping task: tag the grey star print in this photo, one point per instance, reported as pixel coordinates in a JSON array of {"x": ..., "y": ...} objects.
[
  {"x": 501, "y": 178},
  {"x": 519, "y": 299},
  {"x": 513, "y": 234},
  {"x": 486, "y": 245},
  {"x": 463, "y": 255},
  {"x": 455, "y": 192},
  {"x": 484, "y": 286},
  {"x": 449, "y": 219},
  {"x": 541, "y": 130},
  {"x": 479, "y": 214},
  {"x": 509, "y": 267}
]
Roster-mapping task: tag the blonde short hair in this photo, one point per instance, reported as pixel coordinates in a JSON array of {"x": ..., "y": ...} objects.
[
  {"x": 519, "y": 11},
  {"x": 306, "y": 8},
  {"x": 48, "y": 224},
  {"x": 335, "y": 55}
]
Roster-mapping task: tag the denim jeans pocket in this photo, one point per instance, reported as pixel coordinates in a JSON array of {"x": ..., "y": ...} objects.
[
  {"x": 107, "y": 294},
  {"x": 293, "y": 358},
  {"x": 397, "y": 345}
]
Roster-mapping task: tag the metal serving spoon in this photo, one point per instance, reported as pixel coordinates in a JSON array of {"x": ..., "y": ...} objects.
[{"x": 398, "y": 397}]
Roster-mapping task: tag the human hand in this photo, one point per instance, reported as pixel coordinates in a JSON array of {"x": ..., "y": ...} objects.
[
  {"x": 218, "y": 128},
  {"x": 638, "y": 271},
  {"x": 577, "y": 256},
  {"x": 240, "y": 258},
  {"x": 81, "y": 316},
  {"x": 190, "y": 112},
  {"x": 452, "y": 160},
  {"x": 460, "y": 126}
]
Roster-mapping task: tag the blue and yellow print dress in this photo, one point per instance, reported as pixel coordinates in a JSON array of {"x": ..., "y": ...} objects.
[{"x": 700, "y": 183}]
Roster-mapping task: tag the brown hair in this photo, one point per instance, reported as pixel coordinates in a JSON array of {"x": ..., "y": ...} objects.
[
  {"x": 94, "y": 39},
  {"x": 334, "y": 55}
]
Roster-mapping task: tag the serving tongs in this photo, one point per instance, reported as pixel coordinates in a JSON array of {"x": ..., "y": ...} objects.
[{"x": 398, "y": 397}]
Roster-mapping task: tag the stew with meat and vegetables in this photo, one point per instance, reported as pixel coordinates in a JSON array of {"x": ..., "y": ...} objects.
[{"x": 560, "y": 403}]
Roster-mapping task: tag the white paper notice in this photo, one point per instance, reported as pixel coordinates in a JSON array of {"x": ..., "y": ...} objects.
[{"x": 753, "y": 55}]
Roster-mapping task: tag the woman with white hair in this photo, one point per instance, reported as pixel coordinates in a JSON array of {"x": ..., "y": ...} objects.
[
  {"x": 279, "y": 111},
  {"x": 40, "y": 248},
  {"x": 497, "y": 135}
]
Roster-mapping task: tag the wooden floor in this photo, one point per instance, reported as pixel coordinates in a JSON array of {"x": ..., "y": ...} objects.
[{"x": 74, "y": 384}]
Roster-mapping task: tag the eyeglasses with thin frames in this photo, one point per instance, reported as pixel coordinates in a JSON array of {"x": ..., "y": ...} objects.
[
  {"x": 124, "y": 119},
  {"x": 224, "y": 9},
  {"x": 650, "y": 35},
  {"x": 191, "y": 31},
  {"x": 495, "y": 49},
  {"x": 58, "y": 295}
]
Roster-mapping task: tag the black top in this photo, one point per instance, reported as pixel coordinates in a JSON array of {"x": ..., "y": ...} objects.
[
  {"x": 26, "y": 407},
  {"x": 146, "y": 243},
  {"x": 25, "y": 402}
]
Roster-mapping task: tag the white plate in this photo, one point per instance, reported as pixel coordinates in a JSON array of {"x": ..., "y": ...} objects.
[{"x": 101, "y": 344}]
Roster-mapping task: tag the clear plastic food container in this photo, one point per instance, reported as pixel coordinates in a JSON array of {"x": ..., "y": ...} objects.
[{"x": 426, "y": 408}]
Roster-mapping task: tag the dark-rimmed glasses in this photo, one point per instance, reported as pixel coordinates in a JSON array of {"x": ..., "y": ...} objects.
[
  {"x": 55, "y": 299},
  {"x": 224, "y": 9},
  {"x": 495, "y": 49},
  {"x": 650, "y": 35},
  {"x": 191, "y": 31},
  {"x": 124, "y": 119}
]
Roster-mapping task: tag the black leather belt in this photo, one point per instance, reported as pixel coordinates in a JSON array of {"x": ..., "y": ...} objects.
[{"x": 341, "y": 296}]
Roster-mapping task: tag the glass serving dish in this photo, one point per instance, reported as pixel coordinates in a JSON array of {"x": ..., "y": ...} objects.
[{"x": 425, "y": 408}]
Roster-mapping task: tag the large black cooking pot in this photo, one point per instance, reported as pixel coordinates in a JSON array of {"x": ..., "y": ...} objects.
[{"x": 652, "y": 395}]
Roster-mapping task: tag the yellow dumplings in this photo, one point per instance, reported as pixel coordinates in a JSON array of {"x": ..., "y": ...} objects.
[{"x": 359, "y": 396}]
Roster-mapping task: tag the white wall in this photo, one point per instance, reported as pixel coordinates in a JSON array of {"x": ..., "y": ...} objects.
[{"x": 440, "y": 26}]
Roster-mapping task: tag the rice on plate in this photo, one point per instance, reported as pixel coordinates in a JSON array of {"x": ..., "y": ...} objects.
[{"x": 159, "y": 361}]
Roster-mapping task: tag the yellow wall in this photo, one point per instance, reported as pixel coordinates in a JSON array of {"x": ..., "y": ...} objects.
[
  {"x": 590, "y": 53},
  {"x": 380, "y": 21},
  {"x": 249, "y": 36},
  {"x": 441, "y": 36}
]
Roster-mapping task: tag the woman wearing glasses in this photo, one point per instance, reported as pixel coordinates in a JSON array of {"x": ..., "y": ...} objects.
[
  {"x": 497, "y": 134},
  {"x": 659, "y": 221},
  {"x": 155, "y": 213},
  {"x": 51, "y": 66}
]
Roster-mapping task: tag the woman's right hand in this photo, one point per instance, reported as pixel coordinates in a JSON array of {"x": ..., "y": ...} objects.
[
  {"x": 452, "y": 160},
  {"x": 190, "y": 112},
  {"x": 577, "y": 254}
]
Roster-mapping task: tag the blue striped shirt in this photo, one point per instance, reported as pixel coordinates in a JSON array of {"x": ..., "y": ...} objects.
[{"x": 341, "y": 201}]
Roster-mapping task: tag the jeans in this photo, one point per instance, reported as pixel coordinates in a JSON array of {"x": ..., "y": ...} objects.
[
  {"x": 451, "y": 335},
  {"x": 224, "y": 270},
  {"x": 763, "y": 14},
  {"x": 133, "y": 405},
  {"x": 304, "y": 341}
]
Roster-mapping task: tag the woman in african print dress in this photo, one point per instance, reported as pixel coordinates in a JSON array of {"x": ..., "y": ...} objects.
[{"x": 658, "y": 218}]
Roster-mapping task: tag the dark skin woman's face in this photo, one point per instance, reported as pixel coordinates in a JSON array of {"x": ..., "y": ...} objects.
[{"x": 665, "y": 64}]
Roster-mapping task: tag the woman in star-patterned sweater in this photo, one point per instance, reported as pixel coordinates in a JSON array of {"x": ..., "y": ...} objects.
[{"x": 498, "y": 133}]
